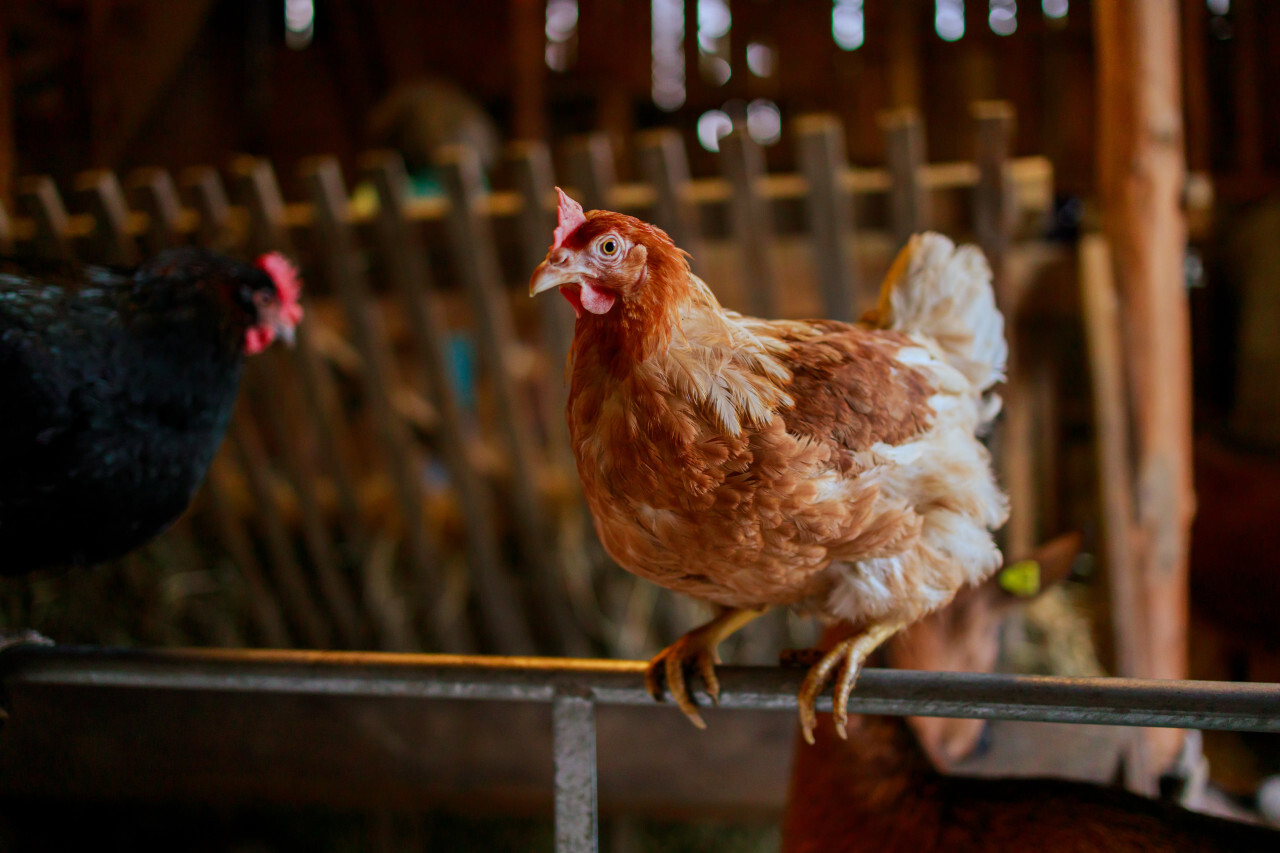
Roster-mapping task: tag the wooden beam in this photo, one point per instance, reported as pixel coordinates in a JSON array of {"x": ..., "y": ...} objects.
[
  {"x": 1141, "y": 175},
  {"x": 528, "y": 70},
  {"x": 7, "y": 150}
]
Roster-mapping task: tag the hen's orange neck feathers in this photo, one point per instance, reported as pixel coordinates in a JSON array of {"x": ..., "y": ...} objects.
[{"x": 648, "y": 313}]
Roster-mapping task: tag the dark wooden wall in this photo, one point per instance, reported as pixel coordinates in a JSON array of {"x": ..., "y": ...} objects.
[{"x": 120, "y": 83}]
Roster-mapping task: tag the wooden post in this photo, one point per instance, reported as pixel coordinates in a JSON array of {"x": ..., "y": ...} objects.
[
  {"x": 665, "y": 166},
  {"x": 475, "y": 256},
  {"x": 258, "y": 191},
  {"x": 528, "y": 70},
  {"x": 6, "y": 230},
  {"x": 38, "y": 199},
  {"x": 401, "y": 461},
  {"x": 500, "y": 608},
  {"x": 261, "y": 602},
  {"x": 742, "y": 160},
  {"x": 209, "y": 199},
  {"x": 7, "y": 150},
  {"x": 591, "y": 169},
  {"x": 291, "y": 582},
  {"x": 155, "y": 193},
  {"x": 1141, "y": 175},
  {"x": 908, "y": 200},
  {"x": 993, "y": 215},
  {"x": 103, "y": 195},
  {"x": 531, "y": 163},
  {"x": 830, "y": 212},
  {"x": 1196, "y": 74},
  {"x": 904, "y": 54}
]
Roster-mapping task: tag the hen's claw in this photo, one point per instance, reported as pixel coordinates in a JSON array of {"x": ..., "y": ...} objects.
[
  {"x": 697, "y": 649},
  {"x": 669, "y": 666},
  {"x": 848, "y": 655}
]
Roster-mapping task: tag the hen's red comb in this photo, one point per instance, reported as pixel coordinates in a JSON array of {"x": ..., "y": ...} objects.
[
  {"x": 569, "y": 216},
  {"x": 288, "y": 285}
]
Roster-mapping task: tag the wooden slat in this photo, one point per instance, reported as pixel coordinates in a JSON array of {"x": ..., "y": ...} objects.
[
  {"x": 665, "y": 166},
  {"x": 289, "y": 578},
  {"x": 339, "y": 597},
  {"x": 908, "y": 201},
  {"x": 820, "y": 139},
  {"x": 261, "y": 600},
  {"x": 154, "y": 192},
  {"x": 113, "y": 240},
  {"x": 993, "y": 217},
  {"x": 503, "y": 619},
  {"x": 1032, "y": 176},
  {"x": 38, "y": 199},
  {"x": 531, "y": 163},
  {"x": 6, "y": 228},
  {"x": 209, "y": 198},
  {"x": 993, "y": 203},
  {"x": 335, "y": 243},
  {"x": 272, "y": 377},
  {"x": 592, "y": 170},
  {"x": 475, "y": 258},
  {"x": 259, "y": 193},
  {"x": 743, "y": 163}
]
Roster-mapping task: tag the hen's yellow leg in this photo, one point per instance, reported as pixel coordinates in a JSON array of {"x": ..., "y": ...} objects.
[
  {"x": 848, "y": 655},
  {"x": 698, "y": 647}
]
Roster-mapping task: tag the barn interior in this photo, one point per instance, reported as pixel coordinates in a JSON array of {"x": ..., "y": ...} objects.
[{"x": 402, "y": 480}]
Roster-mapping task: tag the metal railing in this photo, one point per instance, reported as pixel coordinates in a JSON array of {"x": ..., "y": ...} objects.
[{"x": 574, "y": 687}]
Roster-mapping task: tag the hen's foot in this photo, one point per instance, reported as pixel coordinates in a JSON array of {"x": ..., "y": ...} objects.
[
  {"x": 696, "y": 649},
  {"x": 846, "y": 659}
]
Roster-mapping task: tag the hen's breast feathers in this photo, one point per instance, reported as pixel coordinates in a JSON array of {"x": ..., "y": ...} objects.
[{"x": 737, "y": 465}]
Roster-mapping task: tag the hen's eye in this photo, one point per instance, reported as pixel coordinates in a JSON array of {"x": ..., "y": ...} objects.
[{"x": 609, "y": 246}]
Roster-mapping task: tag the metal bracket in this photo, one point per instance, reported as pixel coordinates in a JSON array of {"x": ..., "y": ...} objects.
[{"x": 573, "y": 723}]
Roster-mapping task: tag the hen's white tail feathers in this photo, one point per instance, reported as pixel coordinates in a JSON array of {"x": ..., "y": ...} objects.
[{"x": 943, "y": 292}]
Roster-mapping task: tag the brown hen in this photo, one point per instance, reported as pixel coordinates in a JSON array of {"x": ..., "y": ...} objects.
[{"x": 826, "y": 467}]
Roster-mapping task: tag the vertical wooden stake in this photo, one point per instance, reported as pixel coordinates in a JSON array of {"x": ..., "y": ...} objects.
[
  {"x": 531, "y": 163},
  {"x": 154, "y": 192},
  {"x": 830, "y": 212},
  {"x": 113, "y": 240},
  {"x": 1141, "y": 174},
  {"x": 592, "y": 170},
  {"x": 908, "y": 201},
  {"x": 39, "y": 200},
  {"x": 475, "y": 256},
  {"x": 504, "y": 621},
  {"x": 401, "y": 461},
  {"x": 665, "y": 167},
  {"x": 742, "y": 160}
]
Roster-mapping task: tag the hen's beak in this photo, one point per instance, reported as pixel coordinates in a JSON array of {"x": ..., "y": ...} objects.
[
  {"x": 279, "y": 322},
  {"x": 284, "y": 332},
  {"x": 557, "y": 274}
]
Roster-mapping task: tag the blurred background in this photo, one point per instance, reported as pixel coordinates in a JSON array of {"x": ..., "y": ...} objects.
[{"x": 401, "y": 481}]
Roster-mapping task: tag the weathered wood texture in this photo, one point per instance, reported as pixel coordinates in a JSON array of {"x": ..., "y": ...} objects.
[{"x": 1141, "y": 175}]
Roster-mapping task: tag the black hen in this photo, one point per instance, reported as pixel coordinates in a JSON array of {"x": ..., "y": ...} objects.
[{"x": 116, "y": 387}]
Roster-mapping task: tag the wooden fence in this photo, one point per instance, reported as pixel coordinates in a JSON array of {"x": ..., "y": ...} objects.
[{"x": 375, "y": 490}]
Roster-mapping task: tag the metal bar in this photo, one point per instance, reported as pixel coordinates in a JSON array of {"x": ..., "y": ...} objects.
[
  {"x": 573, "y": 727},
  {"x": 1101, "y": 701}
]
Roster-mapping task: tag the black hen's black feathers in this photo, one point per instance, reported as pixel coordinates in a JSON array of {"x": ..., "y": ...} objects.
[{"x": 116, "y": 387}]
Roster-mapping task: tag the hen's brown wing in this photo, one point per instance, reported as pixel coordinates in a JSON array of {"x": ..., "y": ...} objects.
[{"x": 850, "y": 387}]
